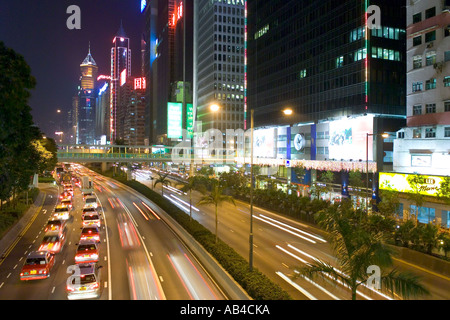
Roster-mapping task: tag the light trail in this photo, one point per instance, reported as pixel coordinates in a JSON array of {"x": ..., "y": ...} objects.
[
  {"x": 296, "y": 229},
  {"x": 285, "y": 229}
]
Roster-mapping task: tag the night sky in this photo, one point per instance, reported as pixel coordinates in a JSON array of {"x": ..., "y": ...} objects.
[{"x": 37, "y": 30}]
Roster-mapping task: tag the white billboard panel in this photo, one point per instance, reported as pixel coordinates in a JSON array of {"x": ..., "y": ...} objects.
[
  {"x": 264, "y": 144},
  {"x": 348, "y": 139}
]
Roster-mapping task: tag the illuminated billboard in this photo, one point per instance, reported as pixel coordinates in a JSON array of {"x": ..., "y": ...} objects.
[
  {"x": 176, "y": 15},
  {"x": 174, "y": 120},
  {"x": 143, "y": 5},
  {"x": 348, "y": 139},
  {"x": 140, "y": 83},
  {"x": 123, "y": 77},
  {"x": 190, "y": 119},
  {"x": 264, "y": 143},
  {"x": 399, "y": 182}
]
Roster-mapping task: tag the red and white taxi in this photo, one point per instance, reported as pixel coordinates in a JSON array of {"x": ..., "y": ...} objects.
[
  {"x": 37, "y": 265},
  {"x": 87, "y": 251}
]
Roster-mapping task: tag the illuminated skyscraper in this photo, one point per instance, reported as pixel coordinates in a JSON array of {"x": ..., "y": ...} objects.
[
  {"x": 86, "y": 100},
  {"x": 120, "y": 72},
  {"x": 168, "y": 34},
  {"x": 219, "y": 63},
  {"x": 102, "y": 108},
  {"x": 89, "y": 72}
]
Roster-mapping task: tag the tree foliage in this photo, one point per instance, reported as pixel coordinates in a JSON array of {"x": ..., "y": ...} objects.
[
  {"x": 20, "y": 154},
  {"x": 216, "y": 198},
  {"x": 163, "y": 180},
  {"x": 357, "y": 246}
]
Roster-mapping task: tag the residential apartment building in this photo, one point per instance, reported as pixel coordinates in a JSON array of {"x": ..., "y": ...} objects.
[{"x": 423, "y": 146}]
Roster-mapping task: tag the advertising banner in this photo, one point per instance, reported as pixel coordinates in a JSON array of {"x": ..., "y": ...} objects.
[
  {"x": 399, "y": 182},
  {"x": 348, "y": 139},
  {"x": 264, "y": 143},
  {"x": 174, "y": 120}
]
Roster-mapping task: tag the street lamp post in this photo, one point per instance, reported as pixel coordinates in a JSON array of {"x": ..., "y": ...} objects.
[
  {"x": 286, "y": 112},
  {"x": 251, "y": 191},
  {"x": 384, "y": 135}
]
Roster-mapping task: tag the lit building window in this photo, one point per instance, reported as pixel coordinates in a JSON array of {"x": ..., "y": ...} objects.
[
  {"x": 340, "y": 62},
  {"x": 430, "y": 133},
  {"x": 417, "y": 110},
  {"x": 447, "y": 132},
  {"x": 417, "y": 62},
  {"x": 302, "y": 74},
  {"x": 431, "y": 58},
  {"x": 447, "y": 82},
  {"x": 430, "y": 108},
  {"x": 417, "y": 133},
  {"x": 430, "y": 84},
  {"x": 417, "y": 86}
]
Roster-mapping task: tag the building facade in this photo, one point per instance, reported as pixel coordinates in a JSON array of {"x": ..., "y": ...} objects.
[
  {"x": 423, "y": 146},
  {"x": 86, "y": 100},
  {"x": 219, "y": 63},
  {"x": 168, "y": 60},
  {"x": 344, "y": 79},
  {"x": 102, "y": 113},
  {"x": 120, "y": 72}
]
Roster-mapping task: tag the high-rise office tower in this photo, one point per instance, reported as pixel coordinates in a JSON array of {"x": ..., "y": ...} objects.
[
  {"x": 120, "y": 72},
  {"x": 168, "y": 37},
  {"x": 132, "y": 119},
  {"x": 424, "y": 145},
  {"x": 340, "y": 69},
  {"x": 149, "y": 10},
  {"x": 219, "y": 63},
  {"x": 89, "y": 71},
  {"x": 102, "y": 113},
  {"x": 73, "y": 130},
  {"x": 86, "y": 100}
]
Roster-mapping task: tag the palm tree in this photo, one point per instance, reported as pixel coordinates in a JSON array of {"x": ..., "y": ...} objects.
[
  {"x": 356, "y": 248},
  {"x": 216, "y": 197},
  {"x": 192, "y": 184},
  {"x": 163, "y": 180}
]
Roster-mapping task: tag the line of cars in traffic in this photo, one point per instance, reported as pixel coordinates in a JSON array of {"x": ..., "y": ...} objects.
[
  {"x": 39, "y": 264},
  {"x": 85, "y": 280}
]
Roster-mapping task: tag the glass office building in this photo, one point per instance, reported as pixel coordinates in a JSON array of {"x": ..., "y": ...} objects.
[{"x": 321, "y": 59}]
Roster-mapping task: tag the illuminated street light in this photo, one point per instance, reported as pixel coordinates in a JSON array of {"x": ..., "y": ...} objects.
[
  {"x": 287, "y": 112},
  {"x": 60, "y": 134},
  {"x": 214, "y": 107}
]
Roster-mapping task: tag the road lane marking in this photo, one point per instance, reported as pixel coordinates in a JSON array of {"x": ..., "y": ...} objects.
[
  {"x": 295, "y": 285},
  {"x": 107, "y": 252},
  {"x": 287, "y": 230}
]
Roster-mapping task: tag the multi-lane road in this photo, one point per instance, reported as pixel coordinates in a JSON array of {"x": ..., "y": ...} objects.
[
  {"x": 141, "y": 257},
  {"x": 281, "y": 245}
]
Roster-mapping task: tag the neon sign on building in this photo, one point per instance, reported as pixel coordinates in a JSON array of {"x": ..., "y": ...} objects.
[
  {"x": 143, "y": 5},
  {"x": 140, "y": 84},
  {"x": 103, "y": 77},
  {"x": 176, "y": 15},
  {"x": 123, "y": 77}
]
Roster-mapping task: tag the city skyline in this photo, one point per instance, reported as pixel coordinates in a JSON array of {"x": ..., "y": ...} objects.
[
  {"x": 54, "y": 52},
  {"x": 196, "y": 140}
]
